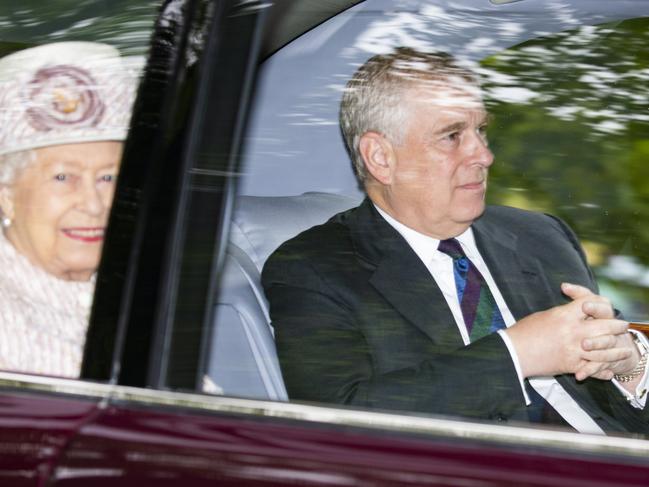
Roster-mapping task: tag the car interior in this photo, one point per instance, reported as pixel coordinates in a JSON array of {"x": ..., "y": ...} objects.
[
  {"x": 243, "y": 361},
  {"x": 287, "y": 186}
]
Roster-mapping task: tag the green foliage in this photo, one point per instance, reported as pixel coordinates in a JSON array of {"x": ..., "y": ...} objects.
[
  {"x": 571, "y": 137},
  {"x": 126, "y": 24}
]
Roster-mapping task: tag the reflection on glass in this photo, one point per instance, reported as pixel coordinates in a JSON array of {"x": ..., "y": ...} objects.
[
  {"x": 124, "y": 24},
  {"x": 571, "y": 138}
]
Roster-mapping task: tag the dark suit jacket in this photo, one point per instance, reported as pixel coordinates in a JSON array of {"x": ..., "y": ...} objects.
[{"x": 359, "y": 320}]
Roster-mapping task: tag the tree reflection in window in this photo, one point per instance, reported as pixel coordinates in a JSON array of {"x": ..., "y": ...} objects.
[{"x": 571, "y": 137}]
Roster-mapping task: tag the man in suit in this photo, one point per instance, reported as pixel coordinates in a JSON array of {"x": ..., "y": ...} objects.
[{"x": 421, "y": 299}]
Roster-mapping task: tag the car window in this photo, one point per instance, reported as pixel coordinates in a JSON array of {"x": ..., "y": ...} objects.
[
  {"x": 566, "y": 90},
  {"x": 569, "y": 131},
  {"x": 125, "y": 24},
  {"x": 52, "y": 239}
]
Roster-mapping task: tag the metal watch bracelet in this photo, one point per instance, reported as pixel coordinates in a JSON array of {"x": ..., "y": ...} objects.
[{"x": 640, "y": 367}]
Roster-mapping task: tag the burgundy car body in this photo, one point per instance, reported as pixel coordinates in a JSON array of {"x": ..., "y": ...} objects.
[{"x": 127, "y": 436}]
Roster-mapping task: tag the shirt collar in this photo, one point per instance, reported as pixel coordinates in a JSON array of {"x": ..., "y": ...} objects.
[{"x": 426, "y": 247}]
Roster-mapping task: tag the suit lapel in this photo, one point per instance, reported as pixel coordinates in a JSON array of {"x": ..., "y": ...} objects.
[
  {"x": 521, "y": 280},
  {"x": 406, "y": 283},
  {"x": 519, "y": 277},
  {"x": 401, "y": 278}
]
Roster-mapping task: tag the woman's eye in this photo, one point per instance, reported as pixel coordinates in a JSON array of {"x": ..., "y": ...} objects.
[
  {"x": 61, "y": 177},
  {"x": 107, "y": 178}
]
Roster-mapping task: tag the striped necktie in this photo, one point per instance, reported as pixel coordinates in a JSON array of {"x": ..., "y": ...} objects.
[
  {"x": 482, "y": 316},
  {"x": 479, "y": 308}
]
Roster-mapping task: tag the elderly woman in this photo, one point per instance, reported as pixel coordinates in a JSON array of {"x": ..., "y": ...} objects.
[{"x": 64, "y": 112}]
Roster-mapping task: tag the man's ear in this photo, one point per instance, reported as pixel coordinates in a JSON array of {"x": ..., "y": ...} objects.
[
  {"x": 378, "y": 156},
  {"x": 6, "y": 202}
]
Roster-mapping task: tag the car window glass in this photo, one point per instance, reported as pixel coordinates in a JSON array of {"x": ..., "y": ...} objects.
[
  {"x": 569, "y": 107},
  {"x": 125, "y": 24},
  {"x": 57, "y": 186},
  {"x": 570, "y": 134}
]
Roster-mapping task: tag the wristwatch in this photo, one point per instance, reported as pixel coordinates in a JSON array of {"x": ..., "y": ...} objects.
[{"x": 642, "y": 363}]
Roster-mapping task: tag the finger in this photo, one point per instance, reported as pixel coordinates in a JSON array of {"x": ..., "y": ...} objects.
[
  {"x": 599, "y": 342},
  {"x": 603, "y": 373},
  {"x": 608, "y": 356},
  {"x": 575, "y": 291},
  {"x": 591, "y": 369},
  {"x": 599, "y": 327},
  {"x": 598, "y": 309}
]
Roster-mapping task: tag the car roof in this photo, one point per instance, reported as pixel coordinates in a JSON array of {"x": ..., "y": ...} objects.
[{"x": 289, "y": 19}]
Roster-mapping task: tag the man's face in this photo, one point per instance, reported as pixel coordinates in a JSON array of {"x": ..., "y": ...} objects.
[{"x": 439, "y": 177}]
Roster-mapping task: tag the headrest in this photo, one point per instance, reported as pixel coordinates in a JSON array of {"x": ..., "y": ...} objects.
[{"x": 263, "y": 223}]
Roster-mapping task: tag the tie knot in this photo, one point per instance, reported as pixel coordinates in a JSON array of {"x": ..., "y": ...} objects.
[{"x": 452, "y": 248}]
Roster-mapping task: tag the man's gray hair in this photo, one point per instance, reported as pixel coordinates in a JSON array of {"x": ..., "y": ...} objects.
[
  {"x": 373, "y": 99},
  {"x": 13, "y": 163}
]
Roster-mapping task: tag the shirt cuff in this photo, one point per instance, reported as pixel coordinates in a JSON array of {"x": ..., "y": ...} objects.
[
  {"x": 517, "y": 364},
  {"x": 639, "y": 399}
]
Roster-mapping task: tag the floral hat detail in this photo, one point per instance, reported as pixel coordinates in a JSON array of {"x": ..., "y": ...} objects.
[{"x": 63, "y": 93}]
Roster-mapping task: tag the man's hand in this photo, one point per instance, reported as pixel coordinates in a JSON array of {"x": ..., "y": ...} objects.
[
  {"x": 552, "y": 342},
  {"x": 597, "y": 347}
]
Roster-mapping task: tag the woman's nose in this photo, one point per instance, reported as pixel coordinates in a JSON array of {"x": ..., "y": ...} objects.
[{"x": 91, "y": 199}]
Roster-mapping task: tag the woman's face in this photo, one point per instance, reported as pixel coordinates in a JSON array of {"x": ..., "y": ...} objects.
[{"x": 59, "y": 207}]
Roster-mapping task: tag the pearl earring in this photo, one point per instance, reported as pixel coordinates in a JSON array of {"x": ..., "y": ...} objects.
[{"x": 6, "y": 222}]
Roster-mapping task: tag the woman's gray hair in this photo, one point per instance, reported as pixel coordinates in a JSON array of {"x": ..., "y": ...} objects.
[
  {"x": 11, "y": 164},
  {"x": 373, "y": 98}
]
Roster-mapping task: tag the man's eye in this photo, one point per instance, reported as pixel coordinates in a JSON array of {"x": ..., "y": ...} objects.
[
  {"x": 61, "y": 177},
  {"x": 453, "y": 136},
  {"x": 107, "y": 178}
]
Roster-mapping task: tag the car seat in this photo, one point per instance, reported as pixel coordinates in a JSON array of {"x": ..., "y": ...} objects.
[{"x": 242, "y": 359}]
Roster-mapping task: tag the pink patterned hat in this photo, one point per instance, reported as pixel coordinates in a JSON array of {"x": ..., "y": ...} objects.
[{"x": 63, "y": 93}]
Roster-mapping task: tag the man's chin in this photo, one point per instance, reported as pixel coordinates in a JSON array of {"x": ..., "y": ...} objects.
[{"x": 472, "y": 214}]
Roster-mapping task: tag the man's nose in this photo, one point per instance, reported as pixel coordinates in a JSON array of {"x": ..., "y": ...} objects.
[{"x": 479, "y": 151}]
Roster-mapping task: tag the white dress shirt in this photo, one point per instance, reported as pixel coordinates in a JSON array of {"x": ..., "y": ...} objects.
[{"x": 440, "y": 267}]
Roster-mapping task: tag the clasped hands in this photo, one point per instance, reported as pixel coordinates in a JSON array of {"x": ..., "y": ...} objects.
[{"x": 581, "y": 338}]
